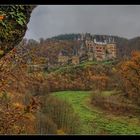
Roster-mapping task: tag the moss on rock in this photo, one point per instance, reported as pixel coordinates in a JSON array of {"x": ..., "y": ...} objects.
[{"x": 13, "y": 25}]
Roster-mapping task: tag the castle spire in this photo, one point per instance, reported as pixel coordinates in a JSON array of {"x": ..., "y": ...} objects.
[
  {"x": 113, "y": 40},
  {"x": 110, "y": 39},
  {"x": 82, "y": 36}
]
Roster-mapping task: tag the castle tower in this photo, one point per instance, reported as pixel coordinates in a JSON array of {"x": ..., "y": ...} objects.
[
  {"x": 82, "y": 37},
  {"x": 82, "y": 49},
  {"x": 90, "y": 56},
  {"x": 111, "y": 49},
  {"x": 75, "y": 51},
  {"x": 63, "y": 57}
]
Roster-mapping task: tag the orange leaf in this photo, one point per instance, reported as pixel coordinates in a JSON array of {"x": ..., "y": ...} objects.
[{"x": 1, "y": 17}]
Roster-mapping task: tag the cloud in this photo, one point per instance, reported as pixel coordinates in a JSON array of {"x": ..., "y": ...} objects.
[{"x": 50, "y": 20}]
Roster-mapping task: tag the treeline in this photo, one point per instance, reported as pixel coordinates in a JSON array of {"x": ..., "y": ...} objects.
[
  {"x": 66, "y": 37},
  {"x": 51, "y": 47},
  {"x": 48, "y": 49},
  {"x": 125, "y": 46}
]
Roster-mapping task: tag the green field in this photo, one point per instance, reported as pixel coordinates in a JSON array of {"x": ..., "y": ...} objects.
[{"x": 94, "y": 120}]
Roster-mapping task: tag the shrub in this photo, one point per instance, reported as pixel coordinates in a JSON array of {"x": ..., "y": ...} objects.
[
  {"x": 114, "y": 103},
  {"x": 45, "y": 124},
  {"x": 62, "y": 115}
]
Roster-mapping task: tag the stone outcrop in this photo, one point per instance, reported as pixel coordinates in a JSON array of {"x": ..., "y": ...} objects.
[{"x": 13, "y": 25}]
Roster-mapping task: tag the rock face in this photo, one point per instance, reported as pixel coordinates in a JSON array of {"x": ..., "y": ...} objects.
[{"x": 13, "y": 25}]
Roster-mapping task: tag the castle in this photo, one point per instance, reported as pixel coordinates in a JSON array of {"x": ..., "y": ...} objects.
[{"x": 89, "y": 48}]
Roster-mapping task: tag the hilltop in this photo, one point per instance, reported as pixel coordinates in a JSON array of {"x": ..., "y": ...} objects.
[
  {"x": 125, "y": 46},
  {"x": 50, "y": 48}
]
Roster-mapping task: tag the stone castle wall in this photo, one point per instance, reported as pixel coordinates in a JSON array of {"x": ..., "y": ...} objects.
[{"x": 98, "y": 51}]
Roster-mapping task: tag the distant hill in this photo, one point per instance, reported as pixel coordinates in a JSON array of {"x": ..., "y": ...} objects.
[
  {"x": 51, "y": 47},
  {"x": 66, "y": 37},
  {"x": 125, "y": 46},
  {"x": 132, "y": 44}
]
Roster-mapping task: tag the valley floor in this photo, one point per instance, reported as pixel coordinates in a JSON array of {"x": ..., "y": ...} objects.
[{"x": 96, "y": 121}]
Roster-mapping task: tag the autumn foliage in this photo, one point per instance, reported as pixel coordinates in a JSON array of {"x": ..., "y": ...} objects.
[
  {"x": 23, "y": 110},
  {"x": 79, "y": 78},
  {"x": 129, "y": 72},
  {"x": 13, "y": 117},
  {"x": 25, "y": 104}
]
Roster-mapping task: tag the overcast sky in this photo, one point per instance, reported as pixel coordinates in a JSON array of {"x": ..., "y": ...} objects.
[{"x": 50, "y": 20}]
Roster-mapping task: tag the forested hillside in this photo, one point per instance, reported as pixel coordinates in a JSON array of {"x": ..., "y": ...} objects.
[
  {"x": 124, "y": 45},
  {"x": 68, "y": 41}
]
